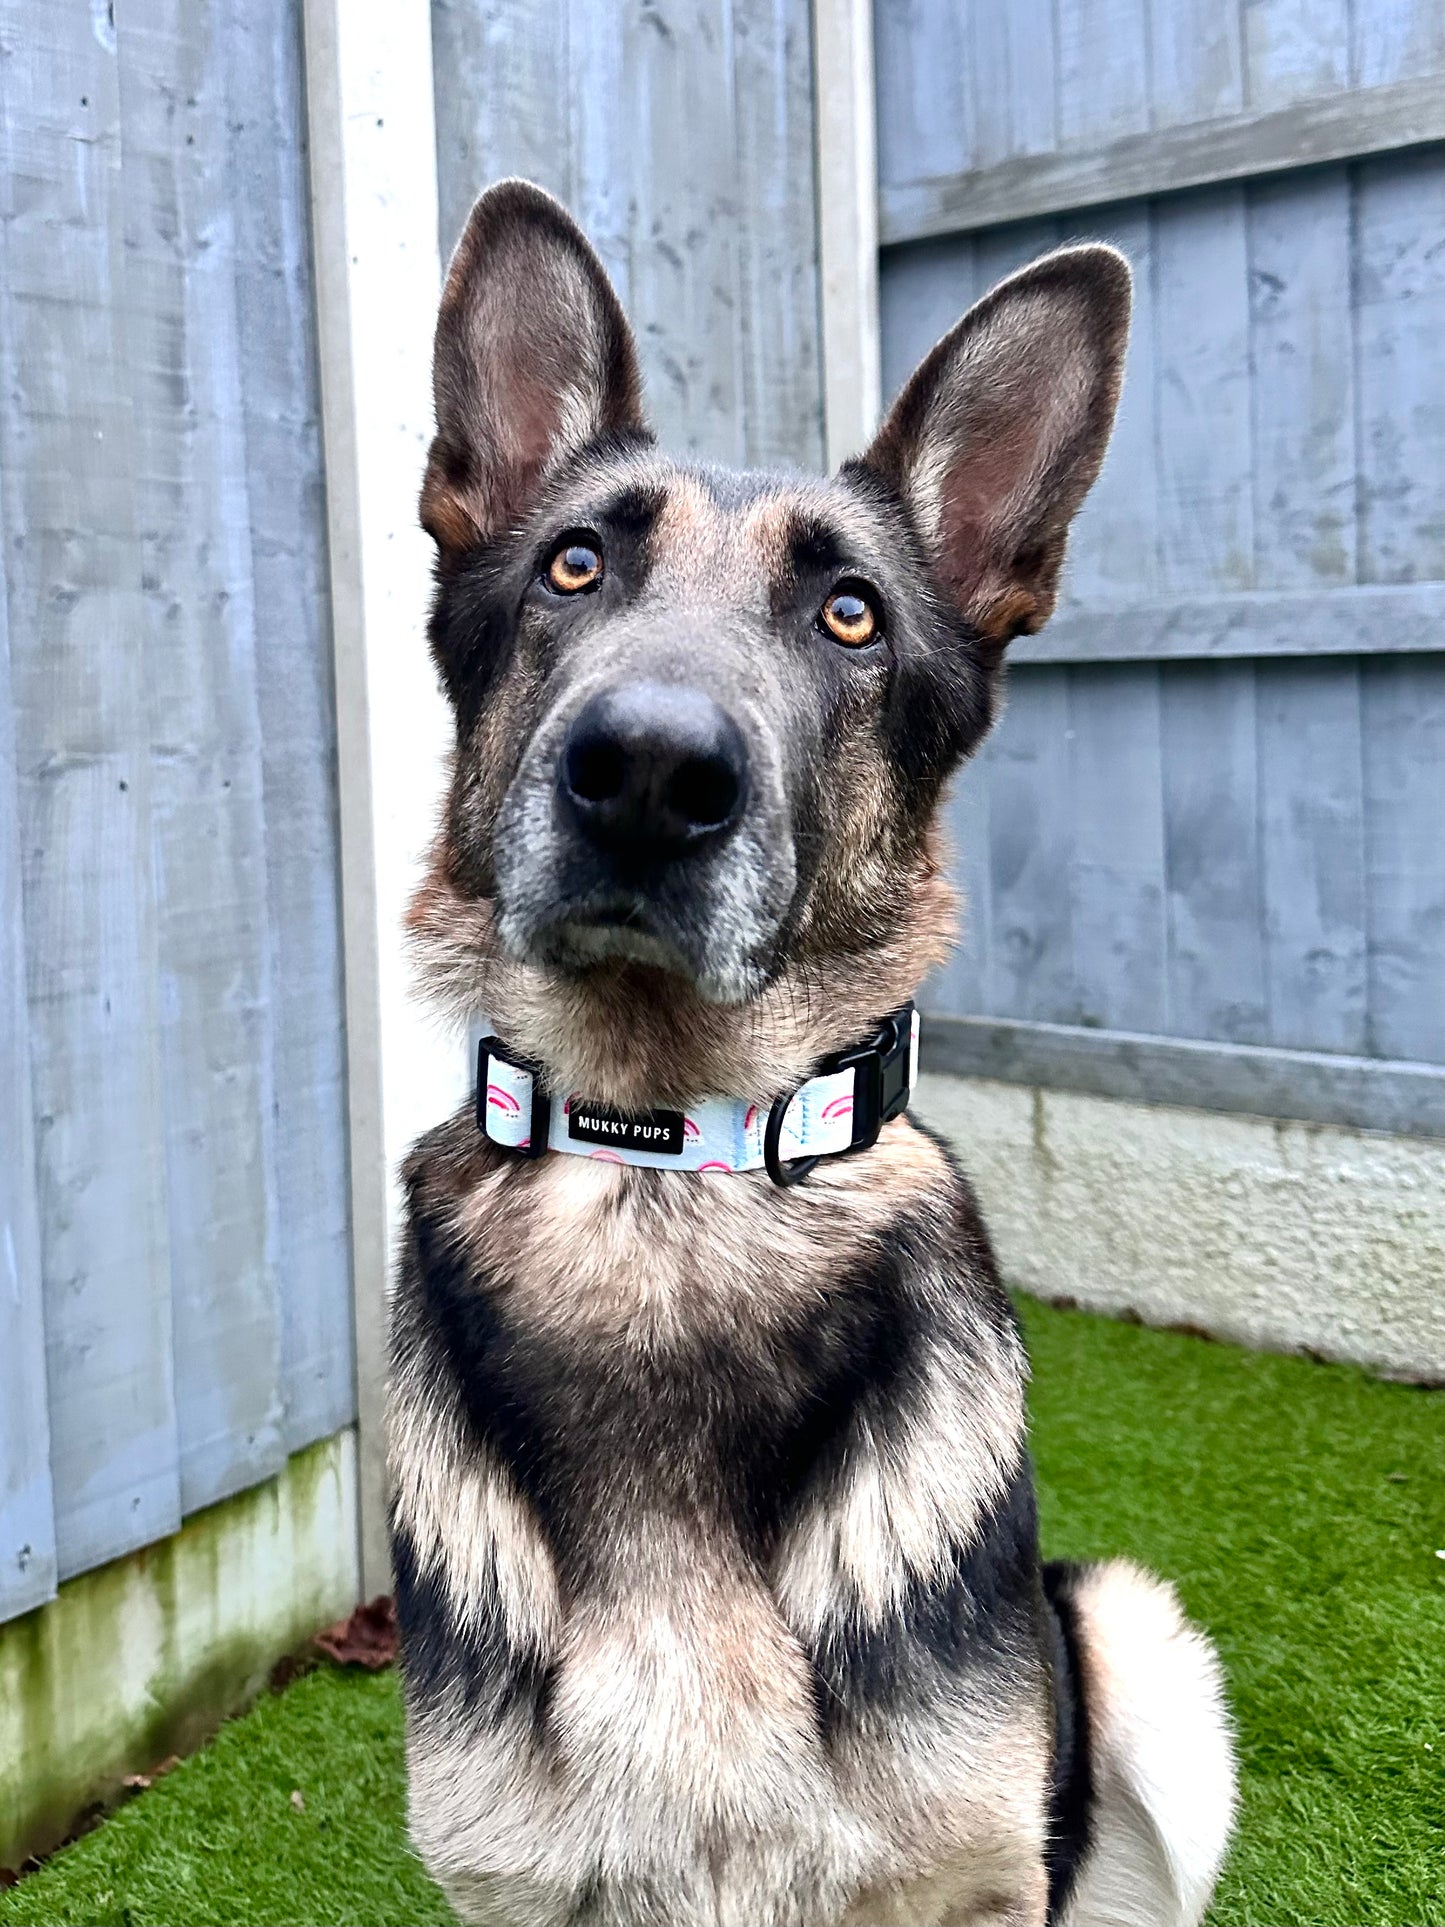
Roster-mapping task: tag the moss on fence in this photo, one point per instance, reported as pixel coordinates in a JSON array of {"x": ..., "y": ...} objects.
[{"x": 147, "y": 1655}]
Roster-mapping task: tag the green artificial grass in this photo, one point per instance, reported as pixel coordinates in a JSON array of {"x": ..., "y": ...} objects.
[{"x": 1299, "y": 1506}]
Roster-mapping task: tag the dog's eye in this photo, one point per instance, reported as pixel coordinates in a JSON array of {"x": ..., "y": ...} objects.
[
  {"x": 576, "y": 565},
  {"x": 850, "y": 616}
]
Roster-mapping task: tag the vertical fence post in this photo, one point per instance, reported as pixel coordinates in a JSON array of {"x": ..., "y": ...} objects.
[
  {"x": 374, "y": 220},
  {"x": 845, "y": 120}
]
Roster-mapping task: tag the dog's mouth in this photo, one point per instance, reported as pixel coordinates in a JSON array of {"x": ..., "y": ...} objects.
[
  {"x": 601, "y": 935},
  {"x": 624, "y": 931}
]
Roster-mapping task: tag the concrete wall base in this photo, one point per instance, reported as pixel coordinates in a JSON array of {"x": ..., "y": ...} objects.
[
  {"x": 1288, "y": 1237},
  {"x": 145, "y": 1657}
]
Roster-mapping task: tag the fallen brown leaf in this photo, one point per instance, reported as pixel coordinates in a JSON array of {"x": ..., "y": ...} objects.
[{"x": 368, "y": 1638}]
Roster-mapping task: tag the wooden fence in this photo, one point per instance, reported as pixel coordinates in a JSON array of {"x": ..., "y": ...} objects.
[
  {"x": 175, "y": 1279},
  {"x": 1205, "y": 851}
]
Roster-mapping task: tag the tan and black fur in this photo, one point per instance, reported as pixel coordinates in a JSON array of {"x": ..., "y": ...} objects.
[{"x": 714, "y": 1526}]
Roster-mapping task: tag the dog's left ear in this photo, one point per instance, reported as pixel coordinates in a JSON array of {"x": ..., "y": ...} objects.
[
  {"x": 533, "y": 360},
  {"x": 1000, "y": 431}
]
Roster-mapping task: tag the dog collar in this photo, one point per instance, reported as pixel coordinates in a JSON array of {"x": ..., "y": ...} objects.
[{"x": 841, "y": 1108}]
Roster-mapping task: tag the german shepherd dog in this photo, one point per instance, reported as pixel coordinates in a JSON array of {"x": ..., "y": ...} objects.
[{"x": 713, "y": 1518}]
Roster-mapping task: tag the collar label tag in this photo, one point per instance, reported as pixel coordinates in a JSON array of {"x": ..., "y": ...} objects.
[{"x": 660, "y": 1131}]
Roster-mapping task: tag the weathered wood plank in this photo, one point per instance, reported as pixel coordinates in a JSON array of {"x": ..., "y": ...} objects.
[
  {"x": 1033, "y": 55},
  {"x": 602, "y": 192},
  {"x": 1029, "y": 968},
  {"x": 962, "y": 984},
  {"x": 260, "y": 49},
  {"x": 1295, "y": 50},
  {"x": 1196, "y": 61},
  {"x": 1395, "y": 39},
  {"x": 676, "y": 97},
  {"x": 1205, "y": 450},
  {"x": 963, "y": 84},
  {"x": 925, "y": 89},
  {"x": 1338, "y": 127},
  {"x": 81, "y": 727},
  {"x": 991, "y": 82},
  {"x": 778, "y": 241},
  {"x": 1403, "y": 726},
  {"x": 1348, "y": 621},
  {"x": 492, "y": 55},
  {"x": 1318, "y": 1087},
  {"x": 1103, "y": 71},
  {"x": 1117, "y": 872},
  {"x": 27, "y": 1514},
  {"x": 1400, "y": 337},
  {"x": 1302, "y": 352},
  {"x": 1013, "y": 64},
  {"x": 1311, "y": 823},
  {"x": 1213, "y": 878},
  {"x": 208, "y": 826}
]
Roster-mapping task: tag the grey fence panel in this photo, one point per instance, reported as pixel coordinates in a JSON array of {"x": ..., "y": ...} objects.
[
  {"x": 1399, "y": 215},
  {"x": 261, "y": 57},
  {"x": 1238, "y": 847},
  {"x": 780, "y": 345},
  {"x": 1102, "y": 68},
  {"x": 969, "y": 85},
  {"x": 1213, "y": 869},
  {"x": 27, "y": 1516},
  {"x": 1311, "y": 820},
  {"x": 1403, "y": 736},
  {"x": 1253, "y": 854},
  {"x": 924, "y": 71},
  {"x": 487, "y": 55},
  {"x": 1303, "y": 388},
  {"x": 175, "y": 1265},
  {"x": 716, "y": 259},
  {"x": 1391, "y": 39},
  {"x": 1301, "y": 476},
  {"x": 1196, "y": 61},
  {"x": 922, "y": 291},
  {"x": 1296, "y": 49},
  {"x": 1030, "y": 968},
  {"x": 68, "y": 460},
  {"x": 206, "y": 787},
  {"x": 1117, "y": 872},
  {"x": 1201, "y": 342}
]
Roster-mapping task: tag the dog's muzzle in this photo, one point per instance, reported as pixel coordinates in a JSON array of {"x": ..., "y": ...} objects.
[{"x": 648, "y": 825}]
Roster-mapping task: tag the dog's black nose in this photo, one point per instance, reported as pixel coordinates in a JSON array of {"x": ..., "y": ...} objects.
[{"x": 654, "y": 770}]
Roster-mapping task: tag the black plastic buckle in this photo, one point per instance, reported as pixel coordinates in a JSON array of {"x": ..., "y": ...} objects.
[
  {"x": 541, "y": 1119},
  {"x": 880, "y": 1093}
]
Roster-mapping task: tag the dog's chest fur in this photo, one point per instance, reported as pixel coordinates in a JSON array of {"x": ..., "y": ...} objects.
[{"x": 674, "y": 1460}]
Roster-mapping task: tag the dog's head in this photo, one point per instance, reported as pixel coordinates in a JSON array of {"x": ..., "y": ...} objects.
[{"x": 704, "y": 718}]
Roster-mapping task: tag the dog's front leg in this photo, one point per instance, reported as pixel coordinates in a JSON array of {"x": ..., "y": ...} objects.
[{"x": 1005, "y": 1888}]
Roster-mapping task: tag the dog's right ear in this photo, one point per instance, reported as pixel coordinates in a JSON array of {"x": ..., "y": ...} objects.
[{"x": 534, "y": 359}]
